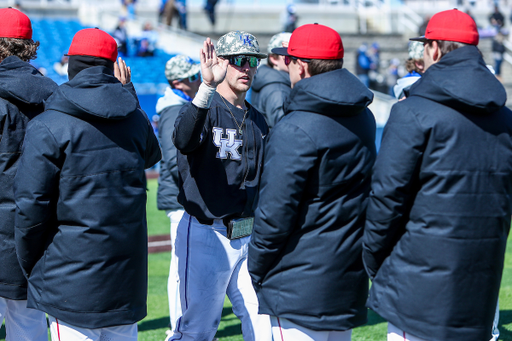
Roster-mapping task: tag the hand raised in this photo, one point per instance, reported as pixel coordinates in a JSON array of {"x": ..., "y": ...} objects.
[
  {"x": 122, "y": 72},
  {"x": 213, "y": 69}
]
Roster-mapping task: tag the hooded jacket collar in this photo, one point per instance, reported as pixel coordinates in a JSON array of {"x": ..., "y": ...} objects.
[
  {"x": 20, "y": 82},
  {"x": 93, "y": 93},
  {"x": 170, "y": 99},
  {"x": 266, "y": 75},
  {"x": 334, "y": 93},
  {"x": 462, "y": 81}
]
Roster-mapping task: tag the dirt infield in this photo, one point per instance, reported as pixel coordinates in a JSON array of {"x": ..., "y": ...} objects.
[{"x": 161, "y": 243}]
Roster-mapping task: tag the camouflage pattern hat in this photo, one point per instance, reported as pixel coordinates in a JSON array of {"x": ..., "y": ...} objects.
[
  {"x": 180, "y": 67},
  {"x": 236, "y": 43},
  {"x": 416, "y": 50},
  {"x": 278, "y": 40}
]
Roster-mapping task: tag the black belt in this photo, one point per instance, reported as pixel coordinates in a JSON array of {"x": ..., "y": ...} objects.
[{"x": 225, "y": 220}]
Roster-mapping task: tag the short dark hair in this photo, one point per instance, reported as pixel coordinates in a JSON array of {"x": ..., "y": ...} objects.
[
  {"x": 24, "y": 49},
  {"x": 269, "y": 62},
  {"x": 446, "y": 46},
  {"x": 318, "y": 66}
]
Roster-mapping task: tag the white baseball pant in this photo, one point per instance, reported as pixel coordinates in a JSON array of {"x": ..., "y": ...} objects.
[
  {"x": 62, "y": 331},
  {"x": 173, "y": 282},
  {"x": 22, "y": 323},
  {"x": 211, "y": 266},
  {"x": 396, "y": 334},
  {"x": 285, "y": 330}
]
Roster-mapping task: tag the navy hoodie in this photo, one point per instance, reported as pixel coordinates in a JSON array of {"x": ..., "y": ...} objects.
[
  {"x": 23, "y": 91},
  {"x": 439, "y": 211},
  {"x": 80, "y": 192},
  {"x": 305, "y": 251}
]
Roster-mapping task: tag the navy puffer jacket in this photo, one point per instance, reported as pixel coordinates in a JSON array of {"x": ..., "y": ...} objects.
[
  {"x": 80, "y": 192},
  {"x": 439, "y": 211},
  {"x": 305, "y": 251},
  {"x": 23, "y": 91}
]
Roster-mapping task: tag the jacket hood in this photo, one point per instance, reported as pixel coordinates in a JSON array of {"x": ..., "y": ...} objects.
[
  {"x": 21, "y": 82},
  {"x": 169, "y": 99},
  {"x": 266, "y": 75},
  {"x": 93, "y": 93},
  {"x": 462, "y": 81},
  {"x": 334, "y": 93}
]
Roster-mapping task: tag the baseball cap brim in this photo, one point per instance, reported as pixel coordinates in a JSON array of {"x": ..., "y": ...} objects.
[
  {"x": 421, "y": 39},
  {"x": 282, "y": 51},
  {"x": 258, "y": 55}
]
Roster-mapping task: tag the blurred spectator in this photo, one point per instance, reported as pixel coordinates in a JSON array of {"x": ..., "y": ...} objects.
[
  {"x": 121, "y": 37},
  {"x": 166, "y": 12},
  {"x": 423, "y": 26},
  {"x": 174, "y": 8},
  {"x": 497, "y": 53},
  {"x": 497, "y": 19},
  {"x": 61, "y": 67},
  {"x": 129, "y": 8},
  {"x": 209, "y": 7},
  {"x": 17, "y": 5},
  {"x": 468, "y": 12},
  {"x": 181, "y": 8},
  {"x": 414, "y": 66},
  {"x": 363, "y": 64},
  {"x": 392, "y": 74},
  {"x": 290, "y": 18},
  {"x": 146, "y": 42}
]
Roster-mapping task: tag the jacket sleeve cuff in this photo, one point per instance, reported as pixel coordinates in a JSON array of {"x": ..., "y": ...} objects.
[{"x": 204, "y": 96}]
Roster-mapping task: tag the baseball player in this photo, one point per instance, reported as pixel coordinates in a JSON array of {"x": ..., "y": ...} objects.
[
  {"x": 439, "y": 210},
  {"x": 23, "y": 91},
  {"x": 219, "y": 137},
  {"x": 80, "y": 194},
  {"x": 184, "y": 80},
  {"x": 305, "y": 253},
  {"x": 271, "y": 85}
]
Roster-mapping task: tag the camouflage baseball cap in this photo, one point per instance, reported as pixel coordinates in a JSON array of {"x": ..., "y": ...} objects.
[
  {"x": 416, "y": 50},
  {"x": 180, "y": 67},
  {"x": 238, "y": 42},
  {"x": 278, "y": 40}
]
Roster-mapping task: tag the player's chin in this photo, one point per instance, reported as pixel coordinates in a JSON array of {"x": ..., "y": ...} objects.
[{"x": 244, "y": 84}]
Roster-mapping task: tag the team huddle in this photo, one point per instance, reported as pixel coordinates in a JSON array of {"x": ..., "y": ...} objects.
[{"x": 282, "y": 204}]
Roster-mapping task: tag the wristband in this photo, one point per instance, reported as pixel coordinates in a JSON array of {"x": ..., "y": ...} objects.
[{"x": 204, "y": 96}]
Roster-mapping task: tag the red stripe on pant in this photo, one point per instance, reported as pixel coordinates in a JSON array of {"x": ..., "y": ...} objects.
[
  {"x": 58, "y": 330},
  {"x": 280, "y": 330}
]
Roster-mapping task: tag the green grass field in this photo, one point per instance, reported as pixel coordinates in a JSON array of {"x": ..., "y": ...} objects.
[{"x": 153, "y": 327}]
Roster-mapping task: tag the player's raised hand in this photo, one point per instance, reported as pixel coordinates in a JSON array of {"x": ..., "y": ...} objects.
[
  {"x": 213, "y": 69},
  {"x": 122, "y": 72}
]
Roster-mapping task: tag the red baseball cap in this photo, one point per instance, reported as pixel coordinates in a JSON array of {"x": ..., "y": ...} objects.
[
  {"x": 451, "y": 25},
  {"x": 95, "y": 43},
  {"x": 14, "y": 24},
  {"x": 313, "y": 41}
]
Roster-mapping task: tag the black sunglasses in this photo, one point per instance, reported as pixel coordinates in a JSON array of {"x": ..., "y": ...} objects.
[
  {"x": 241, "y": 60},
  {"x": 288, "y": 60}
]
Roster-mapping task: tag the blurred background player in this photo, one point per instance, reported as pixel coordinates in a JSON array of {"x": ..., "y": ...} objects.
[
  {"x": 414, "y": 66},
  {"x": 184, "y": 79},
  {"x": 23, "y": 91},
  {"x": 271, "y": 85}
]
